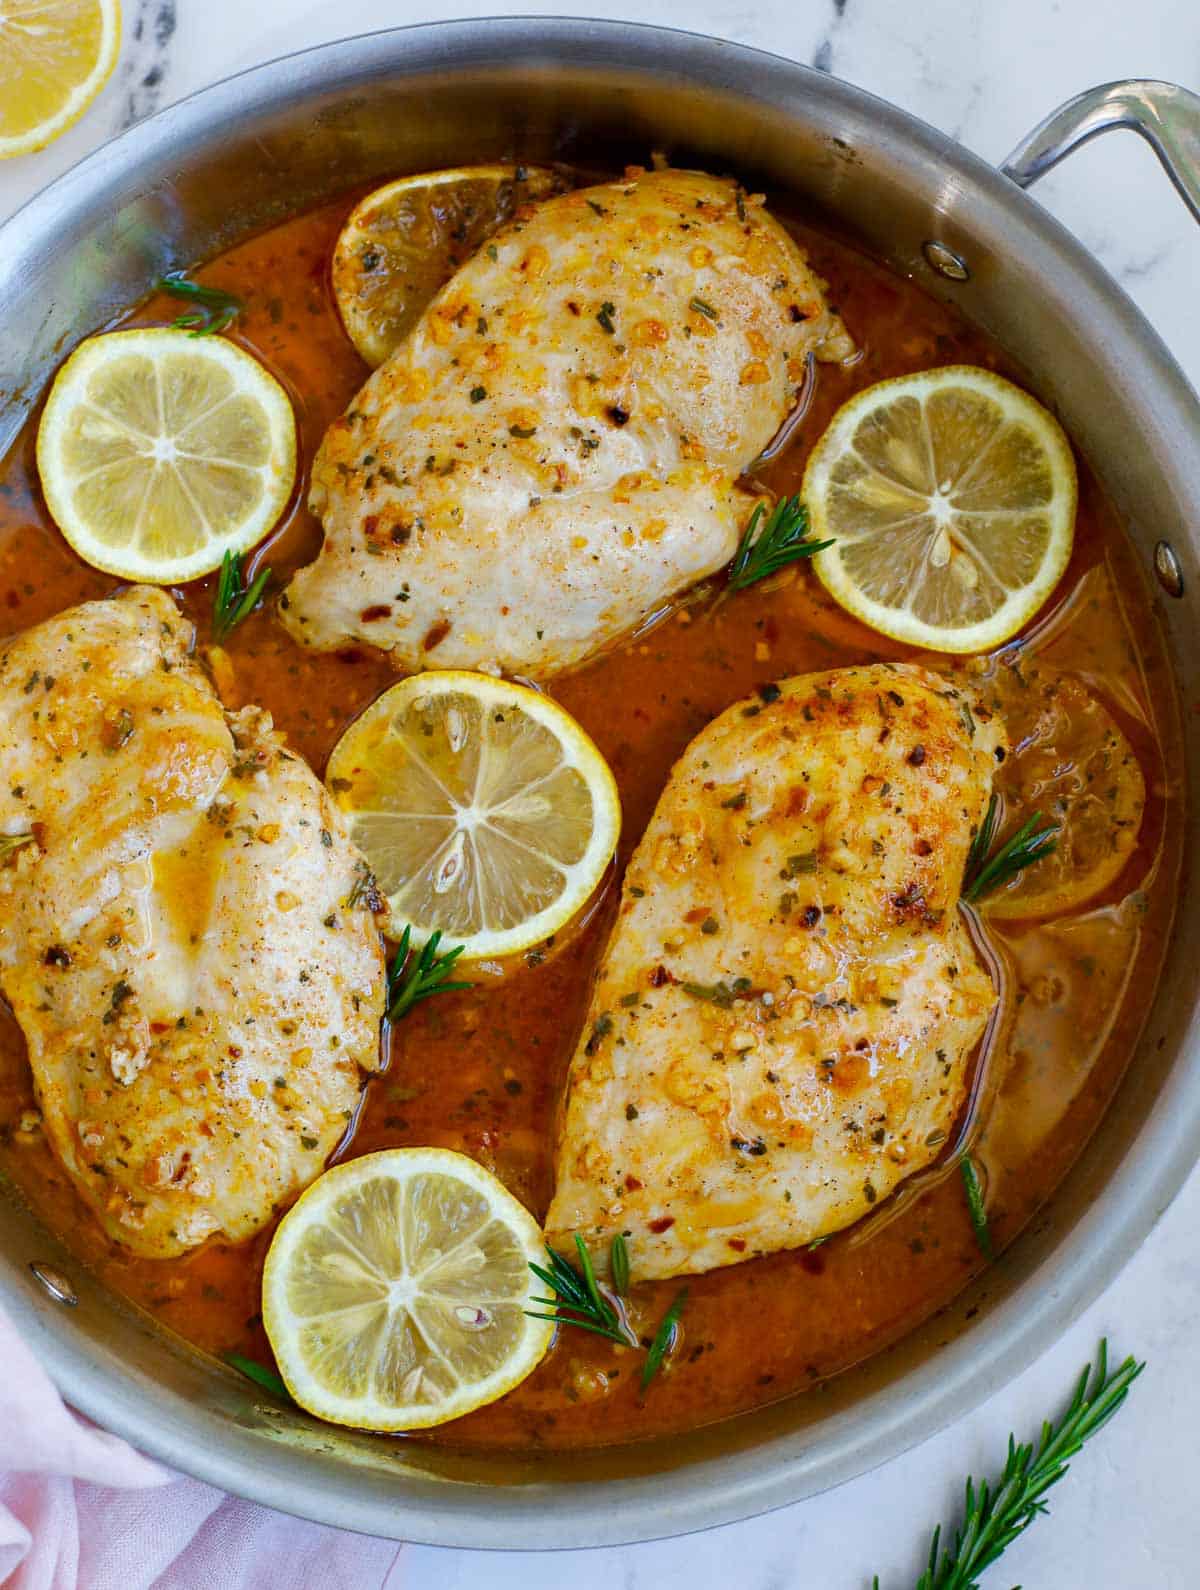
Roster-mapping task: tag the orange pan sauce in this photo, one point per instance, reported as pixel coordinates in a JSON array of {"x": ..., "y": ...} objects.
[{"x": 483, "y": 1071}]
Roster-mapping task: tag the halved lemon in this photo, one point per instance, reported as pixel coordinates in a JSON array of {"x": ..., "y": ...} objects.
[
  {"x": 403, "y": 243},
  {"x": 1071, "y": 762},
  {"x": 483, "y": 808},
  {"x": 55, "y": 57},
  {"x": 395, "y": 1288},
  {"x": 950, "y": 499},
  {"x": 159, "y": 452}
]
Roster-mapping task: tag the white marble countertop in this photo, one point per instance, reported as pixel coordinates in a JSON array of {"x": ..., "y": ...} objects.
[{"x": 1126, "y": 1518}]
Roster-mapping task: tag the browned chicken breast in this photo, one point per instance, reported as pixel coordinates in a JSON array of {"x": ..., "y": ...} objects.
[
  {"x": 177, "y": 941},
  {"x": 552, "y": 454},
  {"x": 785, "y": 1012}
]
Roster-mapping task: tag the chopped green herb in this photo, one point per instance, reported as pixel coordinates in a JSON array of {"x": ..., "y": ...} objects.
[
  {"x": 605, "y": 317},
  {"x": 722, "y": 994},
  {"x": 702, "y": 308}
]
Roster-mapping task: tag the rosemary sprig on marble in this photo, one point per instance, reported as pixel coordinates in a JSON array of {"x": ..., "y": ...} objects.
[{"x": 995, "y": 1514}]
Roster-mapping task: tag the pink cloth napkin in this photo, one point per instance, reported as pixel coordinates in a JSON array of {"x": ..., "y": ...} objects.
[{"x": 81, "y": 1510}]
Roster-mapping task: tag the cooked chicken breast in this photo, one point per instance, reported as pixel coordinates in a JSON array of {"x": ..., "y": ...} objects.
[
  {"x": 785, "y": 1012},
  {"x": 552, "y": 454},
  {"x": 177, "y": 937}
]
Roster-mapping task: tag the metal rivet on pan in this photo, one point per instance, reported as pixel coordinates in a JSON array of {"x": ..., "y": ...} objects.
[
  {"x": 1166, "y": 566},
  {"x": 946, "y": 262},
  {"x": 56, "y": 1283}
]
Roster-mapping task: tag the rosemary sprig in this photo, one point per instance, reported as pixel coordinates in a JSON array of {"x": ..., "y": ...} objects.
[
  {"x": 259, "y": 1373},
  {"x": 781, "y": 540},
  {"x": 213, "y": 309},
  {"x": 11, "y": 843},
  {"x": 664, "y": 1338},
  {"x": 419, "y": 974},
  {"x": 975, "y": 1206},
  {"x": 576, "y": 1298},
  {"x": 994, "y": 1517},
  {"x": 985, "y": 873},
  {"x": 232, "y": 602}
]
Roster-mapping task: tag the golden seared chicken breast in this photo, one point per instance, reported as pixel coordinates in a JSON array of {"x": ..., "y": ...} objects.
[
  {"x": 785, "y": 1012},
  {"x": 552, "y": 454},
  {"x": 177, "y": 938}
]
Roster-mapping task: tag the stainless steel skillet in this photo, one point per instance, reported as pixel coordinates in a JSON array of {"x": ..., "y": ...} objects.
[{"x": 247, "y": 151}]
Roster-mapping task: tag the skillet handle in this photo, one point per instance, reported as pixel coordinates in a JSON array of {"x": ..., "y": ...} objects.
[{"x": 1166, "y": 116}]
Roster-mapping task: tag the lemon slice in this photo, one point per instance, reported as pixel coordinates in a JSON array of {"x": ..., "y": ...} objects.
[
  {"x": 403, "y": 243},
  {"x": 394, "y": 1291},
  {"x": 55, "y": 57},
  {"x": 950, "y": 498},
  {"x": 1071, "y": 762},
  {"x": 483, "y": 808},
  {"x": 159, "y": 452}
]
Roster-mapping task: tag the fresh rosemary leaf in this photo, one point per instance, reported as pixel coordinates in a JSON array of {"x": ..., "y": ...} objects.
[
  {"x": 260, "y": 1374},
  {"x": 780, "y": 541},
  {"x": 996, "y": 1513},
  {"x": 618, "y": 1265},
  {"x": 975, "y": 1208},
  {"x": 232, "y": 601},
  {"x": 12, "y": 842},
  {"x": 986, "y": 872},
  {"x": 415, "y": 975},
  {"x": 984, "y": 835},
  {"x": 576, "y": 1298},
  {"x": 559, "y": 1318},
  {"x": 212, "y": 309},
  {"x": 664, "y": 1339}
]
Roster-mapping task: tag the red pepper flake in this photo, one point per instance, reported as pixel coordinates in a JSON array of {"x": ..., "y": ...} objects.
[
  {"x": 632, "y": 1184},
  {"x": 436, "y": 634},
  {"x": 660, "y": 977},
  {"x": 663, "y": 1223},
  {"x": 738, "y": 1244},
  {"x": 372, "y": 615}
]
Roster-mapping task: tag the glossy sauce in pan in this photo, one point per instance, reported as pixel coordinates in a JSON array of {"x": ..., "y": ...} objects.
[{"x": 483, "y": 1071}]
